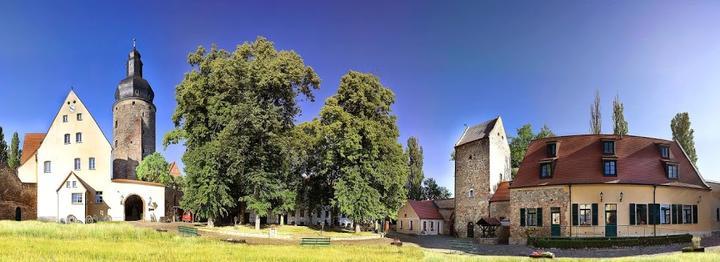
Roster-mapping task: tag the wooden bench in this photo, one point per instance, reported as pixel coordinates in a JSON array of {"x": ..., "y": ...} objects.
[
  {"x": 315, "y": 241},
  {"x": 188, "y": 231}
]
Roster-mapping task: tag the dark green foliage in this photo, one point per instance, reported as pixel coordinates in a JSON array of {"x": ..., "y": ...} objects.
[
  {"x": 14, "y": 153},
  {"x": 433, "y": 191},
  {"x": 603, "y": 242},
  {"x": 3, "y": 150},
  {"x": 684, "y": 134},
  {"x": 235, "y": 115},
  {"x": 620, "y": 125},
  {"x": 414, "y": 156},
  {"x": 595, "y": 115},
  {"x": 154, "y": 168}
]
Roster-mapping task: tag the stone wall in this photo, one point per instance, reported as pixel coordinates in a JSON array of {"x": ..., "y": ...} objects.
[
  {"x": 537, "y": 197},
  {"x": 14, "y": 194},
  {"x": 500, "y": 209},
  {"x": 133, "y": 135},
  {"x": 471, "y": 173}
]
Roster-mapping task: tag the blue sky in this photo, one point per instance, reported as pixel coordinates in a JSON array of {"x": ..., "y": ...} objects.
[{"x": 449, "y": 63}]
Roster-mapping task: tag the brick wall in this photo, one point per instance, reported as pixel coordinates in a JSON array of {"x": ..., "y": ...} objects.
[
  {"x": 14, "y": 194},
  {"x": 537, "y": 197},
  {"x": 471, "y": 173},
  {"x": 133, "y": 135}
]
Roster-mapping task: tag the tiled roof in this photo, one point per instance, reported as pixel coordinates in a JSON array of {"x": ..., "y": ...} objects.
[
  {"x": 174, "y": 170},
  {"x": 31, "y": 143},
  {"x": 502, "y": 193},
  {"x": 445, "y": 203},
  {"x": 579, "y": 161},
  {"x": 425, "y": 209},
  {"x": 477, "y": 132}
]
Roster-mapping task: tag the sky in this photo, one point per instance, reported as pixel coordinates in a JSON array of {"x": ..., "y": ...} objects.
[{"x": 449, "y": 63}]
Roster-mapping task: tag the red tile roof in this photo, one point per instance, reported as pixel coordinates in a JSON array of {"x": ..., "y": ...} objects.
[
  {"x": 425, "y": 209},
  {"x": 502, "y": 193},
  {"x": 579, "y": 161},
  {"x": 31, "y": 143}
]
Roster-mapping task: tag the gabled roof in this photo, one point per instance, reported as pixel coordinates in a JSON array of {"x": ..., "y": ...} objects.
[
  {"x": 31, "y": 143},
  {"x": 477, "y": 132},
  {"x": 425, "y": 209},
  {"x": 87, "y": 187},
  {"x": 174, "y": 170},
  {"x": 445, "y": 203},
  {"x": 502, "y": 193},
  {"x": 580, "y": 161}
]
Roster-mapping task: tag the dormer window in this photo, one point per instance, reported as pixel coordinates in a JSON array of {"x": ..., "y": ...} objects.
[
  {"x": 672, "y": 171},
  {"x": 551, "y": 149},
  {"x": 665, "y": 151},
  {"x": 610, "y": 167},
  {"x": 546, "y": 170},
  {"x": 608, "y": 147}
]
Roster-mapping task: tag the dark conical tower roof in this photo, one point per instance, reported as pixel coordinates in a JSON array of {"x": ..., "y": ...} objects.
[{"x": 134, "y": 85}]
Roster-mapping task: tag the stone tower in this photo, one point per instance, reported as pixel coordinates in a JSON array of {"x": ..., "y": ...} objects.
[
  {"x": 482, "y": 161},
  {"x": 133, "y": 120}
]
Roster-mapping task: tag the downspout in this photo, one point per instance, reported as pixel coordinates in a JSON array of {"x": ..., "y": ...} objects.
[
  {"x": 656, "y": 215},
  {"x": 570, "y": 224}
]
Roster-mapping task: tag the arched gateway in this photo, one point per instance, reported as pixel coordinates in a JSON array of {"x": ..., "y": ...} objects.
[{"x": 133, "y": 208}]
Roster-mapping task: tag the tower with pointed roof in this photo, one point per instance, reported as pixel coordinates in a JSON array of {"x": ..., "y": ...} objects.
[{"x": 133, "y": 119}]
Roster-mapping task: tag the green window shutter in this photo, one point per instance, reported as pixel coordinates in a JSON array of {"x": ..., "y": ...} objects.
[
  {"x": 657, "y": 214},
  {"x": 595, "y": 214},
  {"x": 522, "y": 217},
  {"x": 652, "y": 214},
  {"x": 679, "y": 214},
  {"x": 695, "y": 214},
  {"x": 539, "y": 217},
  {"x": 574, "y": 214},
  {"x": 632, "y": 214},
  {"x": 674, "y": 213}
]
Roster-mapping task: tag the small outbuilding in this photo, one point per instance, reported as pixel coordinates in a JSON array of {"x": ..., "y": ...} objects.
[{"x": 420, "y": 218}]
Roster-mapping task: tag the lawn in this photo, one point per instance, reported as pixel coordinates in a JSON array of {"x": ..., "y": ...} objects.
[
  {"x": 292, "y": 231},
  {"x": 37, "y": 241}
]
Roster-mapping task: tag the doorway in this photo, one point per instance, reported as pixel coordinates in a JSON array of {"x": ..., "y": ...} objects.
[
  {"x": 18, "y": 214},
  {"x": 610, "y": 220},
  {"x": 555, "y": 221},
  {"x": 470, "y": 230},
  {"x": 133, "y": 208}
]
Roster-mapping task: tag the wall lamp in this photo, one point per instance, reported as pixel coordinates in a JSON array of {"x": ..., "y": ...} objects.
[
  {"x": 621, "y": 196},
  {"x": 601, "y": 196}
]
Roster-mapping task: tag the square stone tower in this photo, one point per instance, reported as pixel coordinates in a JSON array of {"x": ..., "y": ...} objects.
[{"x": 482, "y": 161}]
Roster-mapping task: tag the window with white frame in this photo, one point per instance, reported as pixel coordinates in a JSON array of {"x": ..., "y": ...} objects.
[
  {"x": 531, "y": 217},
  {"x": 79, "y": 117},
  {"x": 67, "y": 139},
  {"x": 78, "y": 137},
  {"x": 77, "y": 198},
  {"x": 91, "y": 163},
  {"x": 65, "y": 118},
  {"x": 432, "y": 225},
  {"x": 67, "y": 184},
  {"x": 74, "y": 184},
  {"x": 665, "y": 214},
  {"x": 47, "y": 167},
  {"x": 585, "y": 214},
  {"x": 641, "y": 214},
  {"x": 77, "y": 164},
  {"x": 424, "y": 225}
]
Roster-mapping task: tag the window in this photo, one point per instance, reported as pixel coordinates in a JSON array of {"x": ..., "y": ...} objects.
[
  {"x": 79, "y": 116},
  {"x": 640, "y": 214},
  {"x": 115, "y": 143},
  {"x": 78, "y": 137},
  {"x": 91, "y": 163},
  {"x": 545, "y": 170},
  {"x": 98, "y": 197},
  {"x": 74, "y": 184},
  {"x": 424, "y": 225},
  {"x": 585, "y": 214},
  {"x": 717, "y": 214},
  {"x": 77, "y": 164},
  {"x": 471, "y": 193},
  {"x": 67, "y": 139},
  {"x": 610, "y": 214},
  {"x": 65, "y": 118},
  {"x": 401, "y": 224},
  {"x": 531, "y": 217},
  {"x": 665, "y": 151},
  {"x": 411, "y": 225},
  {"x": 432, "y": 225},
  {"x": 608, "y": 147},
  {"x": 672, "y": 171},
  {"x": 665, "y": 213},
  {"x": 77, "y": 198},
  {"x": 609, "y": 167},
  {"x": 47, "y": 167},
  {"x": 551, "y": 150},
  {"x": 687, "y": 214},
  {"x": 115, "y": 123},
  {"x": 67, "y": 184}
]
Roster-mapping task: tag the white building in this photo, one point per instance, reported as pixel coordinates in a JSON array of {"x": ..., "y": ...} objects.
[{"x": 71, "y": 165}]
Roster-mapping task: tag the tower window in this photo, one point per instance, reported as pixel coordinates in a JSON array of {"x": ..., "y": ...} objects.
[
  {"x": 471, "y": 193},
  {"x": 608, "y": 147},
  {"x": 79, "y": 116},
  {"x": 115, "y": 143},
  {"x": 78, "y": 137},
  {"x": 67, "y": 139},
  {"x": 115, "y": 123},
  {"x": 77, "y": 164},
  {"x": 65, "y": 118}
]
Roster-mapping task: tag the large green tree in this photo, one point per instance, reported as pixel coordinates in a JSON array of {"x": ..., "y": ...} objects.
[
  {"x": 3, "y": 150},
  {"x": 620, "y": 125},
  {"x": 414, "y": 157},
  {"x": 14, "y": 154},
  {"x": 684, "y": 134},
  {"x": 595, "y": 115},
  {"x": 235, "y": 111},
  {"x": 154, "y": 168},
  {"x": 360, "y": 157},
  {"x": 432, "y": 191}
]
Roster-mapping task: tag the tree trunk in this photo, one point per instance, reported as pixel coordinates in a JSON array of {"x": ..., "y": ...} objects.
[
  {"x": 257, "y": 222},
  {"x": 357, "y": 227},
  {"x": 282, "y": 220},
  {"x": 210, "y": 222}
]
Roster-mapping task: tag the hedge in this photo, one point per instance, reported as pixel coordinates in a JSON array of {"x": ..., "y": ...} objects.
[{"x": 604, "y": 242}]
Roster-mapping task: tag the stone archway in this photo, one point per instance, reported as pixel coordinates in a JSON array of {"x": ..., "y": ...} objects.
[{"x": 134, "y": 208}]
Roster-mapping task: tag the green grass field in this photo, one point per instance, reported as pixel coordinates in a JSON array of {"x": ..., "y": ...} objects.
[
  {"x": 288, "y": 230},
  {"x": 37, "y": 241}
]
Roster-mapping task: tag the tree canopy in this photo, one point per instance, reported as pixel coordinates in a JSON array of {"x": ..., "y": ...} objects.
[
  {"x": 432, "y": 191},
  {"x": 235, "y": 113},
  {"x": 414, "y": 156},
  {"x": 3, "y": 150},
  {"x": 14, "y": 153},
  {"x": 595, "y": 115},
  {"x": 684, "y": 134},
  {"x": 154, "y": 168},
  {"x": 620, "y": 125}
]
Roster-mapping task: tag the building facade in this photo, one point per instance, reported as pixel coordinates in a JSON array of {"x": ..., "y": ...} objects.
[
  {"x": 482, "y": 161},
  {"x": 420, "y": 218},
  {"x": 607, "y": 186}
]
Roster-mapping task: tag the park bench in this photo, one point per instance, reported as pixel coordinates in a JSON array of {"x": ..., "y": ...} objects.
[
  {"x": 188, "y": 231},
  {"x": 315, "y": 241}
]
